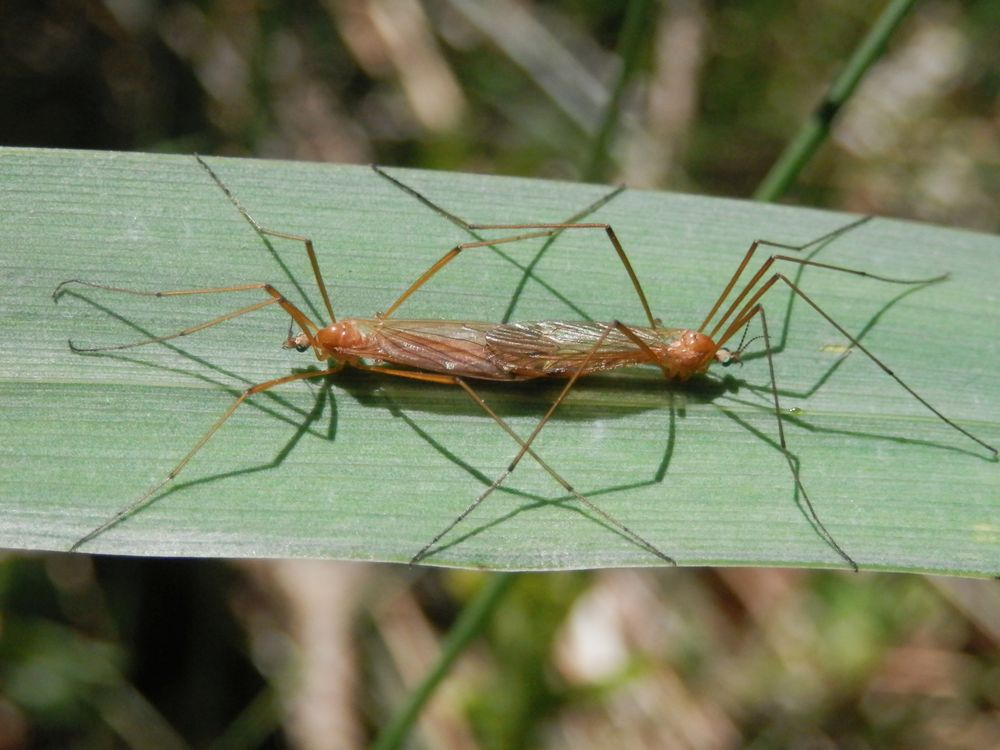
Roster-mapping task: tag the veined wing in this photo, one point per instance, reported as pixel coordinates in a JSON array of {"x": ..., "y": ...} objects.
[
  {"x": 556, "y": 347},
  {"x": 448, "y": 346}
]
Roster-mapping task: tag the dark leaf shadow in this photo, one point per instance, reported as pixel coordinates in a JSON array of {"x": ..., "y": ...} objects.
[{"x": 701, "y": 390}]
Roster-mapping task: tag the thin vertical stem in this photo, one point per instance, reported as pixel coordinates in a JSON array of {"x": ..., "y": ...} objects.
[
  {"x": 815, "y": 130},
  {"x": 470, "y": 624},
  {"x": 630, "y": 45}
]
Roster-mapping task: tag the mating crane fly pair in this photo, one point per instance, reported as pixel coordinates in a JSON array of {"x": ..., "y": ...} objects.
[{"x": 452, "y": 352}]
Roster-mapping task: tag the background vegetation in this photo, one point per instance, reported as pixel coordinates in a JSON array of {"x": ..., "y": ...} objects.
[{"x": 107, "y": 652}]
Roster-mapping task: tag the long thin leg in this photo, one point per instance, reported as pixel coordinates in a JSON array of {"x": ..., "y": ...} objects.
[
  {"x": 615, "y": 242},
  {"x": 815, "y": 264},
  {"x": 749, "y": 311},
  {"x": 547, "y": 230},
  {"x": 769, "y": 243},
  {"x": 264, "y": 231},
  {"x": 551, "y": 227},
  {"x": 792, "y": 461},
  {"x": 449, "y": 256},
  {"x": 146, "y": 497},
  {"x": 525, "y": 449},
  {"x": 308, "y": 327}
]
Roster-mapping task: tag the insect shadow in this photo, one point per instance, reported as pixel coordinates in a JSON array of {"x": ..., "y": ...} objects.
[{"x": 674, "y": 399}]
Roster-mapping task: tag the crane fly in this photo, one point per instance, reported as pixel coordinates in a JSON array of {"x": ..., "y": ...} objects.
[{"x": 452, "y": 352}]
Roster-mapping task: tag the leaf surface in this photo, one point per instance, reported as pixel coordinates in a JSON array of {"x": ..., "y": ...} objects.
[{"x": 366, "y": 467}]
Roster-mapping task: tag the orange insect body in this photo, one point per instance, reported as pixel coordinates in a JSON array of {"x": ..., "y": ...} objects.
[{"x": 513, "y": 351}]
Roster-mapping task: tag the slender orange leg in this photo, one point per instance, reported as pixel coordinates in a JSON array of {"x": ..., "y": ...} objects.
[
  {"x": 615, "y": 243},
  {"x": 770, "y": 261},
  {"x": 147, "y": 496},
  {"x": 525, "y": 449},
  {"x": 308, "y": 327},
  {"x": 274, "y": 233},
  {"x": 581, "y": 370},
  {"x": 752, "y": 308},
  {"x": 549, "y": 228},
  {"x": 310, "y": 251},
  {"x": 450, "y": 256},
  {"x": 769, "y": 243}
]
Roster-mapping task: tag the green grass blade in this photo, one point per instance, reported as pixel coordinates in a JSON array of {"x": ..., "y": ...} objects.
[
  {"x": 368, "y": 468},
  {"x": 468, "y": 626},
  {"x": 814, "y": 131},
  {"x": 636, "y": 29}
]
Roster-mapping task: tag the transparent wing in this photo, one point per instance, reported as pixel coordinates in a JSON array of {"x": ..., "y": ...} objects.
[
  {"x": 555, "y": 347},
  {"x": 445, "y": 346}
]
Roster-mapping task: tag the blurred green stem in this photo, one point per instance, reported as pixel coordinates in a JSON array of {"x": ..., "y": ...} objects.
[
  {"x": 470, "y": 623},
  {"x": 798, "y": 153},
  {"x": 630, "y": 45}
]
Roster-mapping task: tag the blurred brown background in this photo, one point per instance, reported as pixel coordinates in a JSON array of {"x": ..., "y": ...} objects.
[
  {"x": 103, "y": 652},
  {"x": 521, "y": 88}
]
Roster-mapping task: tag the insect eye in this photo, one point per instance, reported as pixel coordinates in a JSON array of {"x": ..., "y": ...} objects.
[{"x": 301, "y": 347}]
